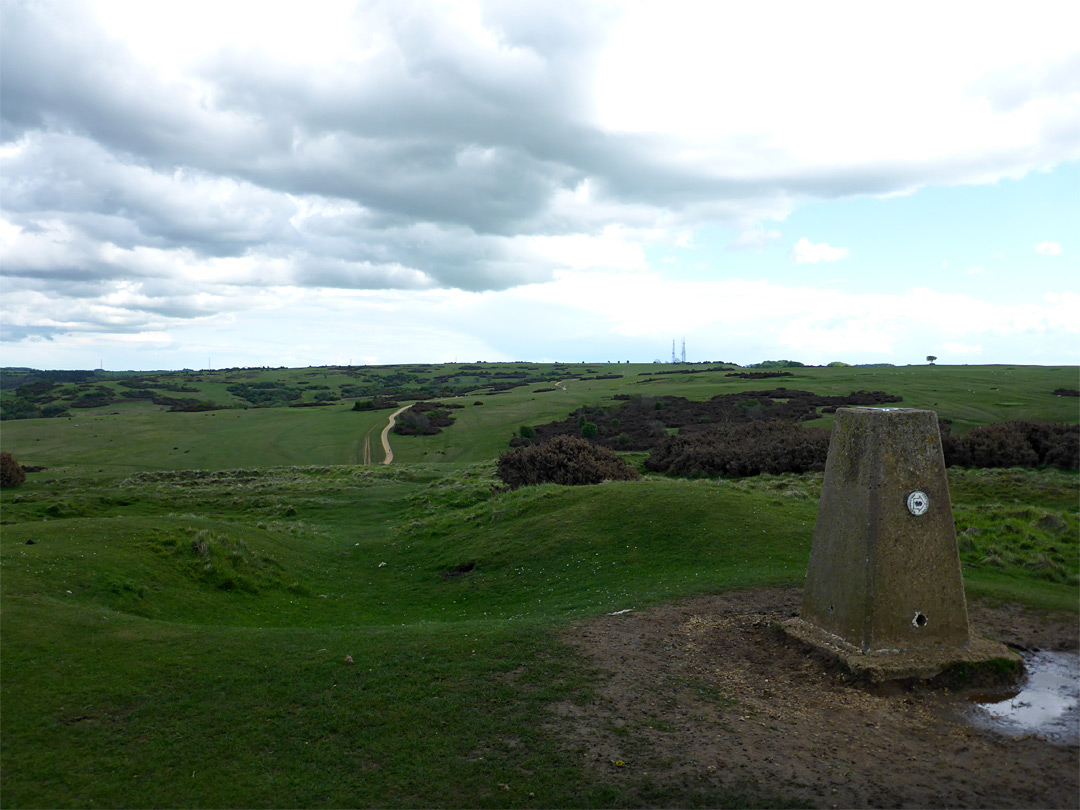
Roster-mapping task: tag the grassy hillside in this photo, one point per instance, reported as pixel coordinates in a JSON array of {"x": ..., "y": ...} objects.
[
  {"x": 179, "y": 639},
  {"x": 121, "y": 443},
  {"x": 139, "y": 435},
  {"x": 179, "y": 590}
]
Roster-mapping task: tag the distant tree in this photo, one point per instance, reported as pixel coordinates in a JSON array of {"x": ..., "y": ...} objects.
[
  {"x": 526, "y": 431},
  {"x": 777, "y": 364},
  {"x": 930, "y": 359},
  {"x": 589, "y": 430},
  {"x": 11, "y": 472}
]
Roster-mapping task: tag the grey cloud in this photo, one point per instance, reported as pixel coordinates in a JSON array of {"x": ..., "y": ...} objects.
[
  {"x": 61, "y": 73},
  {"x": 66, "y": 176},
  {"x": 114, "y": 307},
  {"x": 326, "y": 272},
  {"x": 428, "y": 130},
  {"x": 177, "y": 308},
  {"x": 75, "y": 285},
  {"x": 424, "y": 165},
  {"x": 15, "y": 333}
]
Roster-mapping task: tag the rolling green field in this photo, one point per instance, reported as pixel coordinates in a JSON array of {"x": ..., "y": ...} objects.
[
  {"x": 136, "y": 435},
  {"x": 180, "y": 590}
]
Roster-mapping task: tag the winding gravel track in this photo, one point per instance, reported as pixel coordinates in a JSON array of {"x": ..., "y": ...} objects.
[{"x": 386, "y": 434}]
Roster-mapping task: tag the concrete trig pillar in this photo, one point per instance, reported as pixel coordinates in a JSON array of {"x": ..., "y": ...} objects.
[{"x": 884, "y": 590}]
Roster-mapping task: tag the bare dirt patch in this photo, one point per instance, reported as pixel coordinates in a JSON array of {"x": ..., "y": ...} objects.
[{"x": 705, "y": 701}]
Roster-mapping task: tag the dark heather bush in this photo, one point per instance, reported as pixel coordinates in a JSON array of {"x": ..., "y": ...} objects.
[
  {"x": 1015, "y": 444},
  {"x": 999, "y": 445},
  {"x": 739, "y": 449},
  {"x": 952, "y": 447},
  {"x": 562, "y": 460},
  {"x": 11, "y": 472},
  {"x": 425, "y": 419},
  {"x": 644, "y": 421}
]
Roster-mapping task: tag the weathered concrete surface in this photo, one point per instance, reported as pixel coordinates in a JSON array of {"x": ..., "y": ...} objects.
[
  {"x": 884, "y": 576},
  {"x": 922, "y": 663}
]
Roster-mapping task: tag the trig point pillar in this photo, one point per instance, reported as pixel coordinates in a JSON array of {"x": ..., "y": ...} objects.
[{"x": 883, "y": 587}]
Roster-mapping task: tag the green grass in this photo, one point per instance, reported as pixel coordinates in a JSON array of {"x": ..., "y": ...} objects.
[
  {"x": 127, "y": 442},
  {"x": 141, "y": 714},
  {"x": 133, "y": 675},
  {"x": 175, "y": 634},
  {"x": 119, "y": 439}
]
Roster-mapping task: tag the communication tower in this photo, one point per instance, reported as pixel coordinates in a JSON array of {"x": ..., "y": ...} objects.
[
  {"x": 673, "y": 351},
  {"x": 684, "y": 350}
]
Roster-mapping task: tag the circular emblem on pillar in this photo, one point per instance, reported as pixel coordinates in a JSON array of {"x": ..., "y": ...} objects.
[{"x": 918, "y": 503}]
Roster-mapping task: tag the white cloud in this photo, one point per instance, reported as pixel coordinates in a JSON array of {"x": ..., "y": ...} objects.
[
  {"x": 649, "y": 304},
  {"x": 805, "y": 252},
  {"x": 959, "y": 349},
  {"x": 186, "y": 163},
  {"x": 577, "y": 316},
  {"x": 614, "y": 248},
  {"x": 931, "y": 108},
  {"x": 755, "y": 238}
]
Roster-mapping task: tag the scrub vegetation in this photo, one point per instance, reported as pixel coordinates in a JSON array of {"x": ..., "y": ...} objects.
[
  {"x": 566, "y": 460},
  {"x": 226, "y": 608}
]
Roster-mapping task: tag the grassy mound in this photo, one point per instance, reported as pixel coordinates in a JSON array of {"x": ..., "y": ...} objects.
[{"x": 179, "y": 637}]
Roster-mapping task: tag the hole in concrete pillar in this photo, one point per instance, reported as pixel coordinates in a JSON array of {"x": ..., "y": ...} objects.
[{"x": 920, "y": 620}]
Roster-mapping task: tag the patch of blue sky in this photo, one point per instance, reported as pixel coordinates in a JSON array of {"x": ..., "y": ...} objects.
[{"x": 975, "y": 239}]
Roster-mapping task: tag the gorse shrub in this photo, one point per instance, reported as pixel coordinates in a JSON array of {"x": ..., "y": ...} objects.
[
  {"x": 562, "y": 460},
  {"x": 738, "y": 449},
  {"x": 11, "y": 472},
  {"x": 643, "y": 421},
  {"x": 425, "y": 419},
  {"x": 1015, "y": 444},
  {"x": 374, "y": 404}
]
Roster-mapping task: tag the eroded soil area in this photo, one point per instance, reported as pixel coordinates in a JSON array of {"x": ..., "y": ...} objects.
[{"x": 706, "y": 701}]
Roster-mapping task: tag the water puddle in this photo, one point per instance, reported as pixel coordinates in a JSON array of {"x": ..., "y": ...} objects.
[{"x": 1046, "y": 704}]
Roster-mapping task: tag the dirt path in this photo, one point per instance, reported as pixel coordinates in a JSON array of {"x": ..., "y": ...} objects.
[
  {"x": 706, "y": 698},
  {"x": 366, "y": 459},
  {"x": 386, "y": 434}
]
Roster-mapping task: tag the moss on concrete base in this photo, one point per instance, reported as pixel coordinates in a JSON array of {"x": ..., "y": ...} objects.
[{"x": 923, "y": 664}]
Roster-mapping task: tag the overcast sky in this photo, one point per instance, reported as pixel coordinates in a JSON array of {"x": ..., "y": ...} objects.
[{"x": 285, "y": 183}]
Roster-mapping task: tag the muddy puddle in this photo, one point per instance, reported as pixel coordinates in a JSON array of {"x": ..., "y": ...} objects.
[{"x": 1046, "y": 704}]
